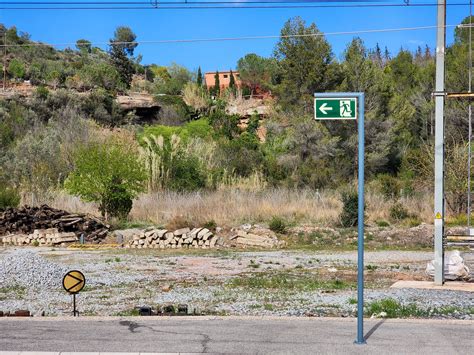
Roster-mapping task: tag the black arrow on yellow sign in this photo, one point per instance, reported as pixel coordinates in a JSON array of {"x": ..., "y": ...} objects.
[{"x": 74, "y": 281}]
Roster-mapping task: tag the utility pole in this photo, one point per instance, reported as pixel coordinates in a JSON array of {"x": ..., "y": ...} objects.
[{"x": 439, "y": 145}]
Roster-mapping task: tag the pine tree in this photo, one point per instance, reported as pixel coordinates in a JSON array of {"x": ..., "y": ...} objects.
[
  {"x": 199, "y": 77},
  {"x": 217, "y": 85},
  {"x": 377, "y": 56},
  {"x": 427, "y": 52},
  {"x": 418, "y": 55},
  {"x": 386, "y": 55}
]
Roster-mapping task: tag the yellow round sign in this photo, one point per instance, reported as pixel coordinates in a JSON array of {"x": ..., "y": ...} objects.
[{"x": 74, "y": 281}]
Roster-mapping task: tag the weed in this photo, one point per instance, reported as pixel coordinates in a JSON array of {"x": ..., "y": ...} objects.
[
  {"x": 128, "y": 312},
  {"x": 17, "y": 290},
  {"x": 35, "y": 243},
  {"x": 287, "y": 281},
  {"x": 211, "y": 225},
  {"x": 398, "y": 212},
  {"x": 382, "y": 223},
  {"x": 278, "y": 225},
  {"x": 253, "y": 264},
  {"x": 371, "y": 267},
  {"x": 268, "y": 307},
  {"x": 352, "y": 301}
]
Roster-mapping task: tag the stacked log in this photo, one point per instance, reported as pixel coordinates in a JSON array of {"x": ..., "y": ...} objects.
[
  {"x": 182, "y": 238},
  {"x": 25, "y": 220},
  {"x": 41, "y": 237}
]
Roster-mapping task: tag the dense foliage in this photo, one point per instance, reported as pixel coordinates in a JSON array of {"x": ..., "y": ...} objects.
[{"x": 199, "y": 144}]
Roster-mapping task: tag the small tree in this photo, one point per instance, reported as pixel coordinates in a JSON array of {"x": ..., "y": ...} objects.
[
  {"x": 217, "y": 85},
  {"x": 109, "y": 174},
  {"x": 232, "y": 81},
  {"x": 16, "y": 69},
  {"x": 199, "y": 77},
  {"x": 84, "y": 46}
]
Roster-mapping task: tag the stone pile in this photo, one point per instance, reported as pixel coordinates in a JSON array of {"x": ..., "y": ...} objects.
[
  {"x": 255, "y": 237},
  {"x": 40, "y": 237},
  {"x": 181, "y": 238}
]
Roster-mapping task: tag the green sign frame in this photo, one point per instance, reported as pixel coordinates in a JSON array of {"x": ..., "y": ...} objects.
[{"x": 335, "y": 108}]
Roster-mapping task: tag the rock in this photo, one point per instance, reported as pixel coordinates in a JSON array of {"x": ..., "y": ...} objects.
[
  {"x": 182, "y": 231},
  {"x": 246, "y": 227},
  {"x": 202, "y": 233},
  {"x": 166, "y": 288}
]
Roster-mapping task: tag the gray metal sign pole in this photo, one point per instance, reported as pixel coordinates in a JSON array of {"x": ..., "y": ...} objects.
[
  {"x": 439, "y": 145},
  {"x": 360, "y": 217}
]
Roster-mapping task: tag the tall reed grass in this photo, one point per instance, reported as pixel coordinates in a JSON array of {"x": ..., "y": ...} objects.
[{"x": 233, "y": 206}]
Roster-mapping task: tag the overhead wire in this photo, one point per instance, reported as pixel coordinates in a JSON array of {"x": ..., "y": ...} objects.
[
  {"x": 190, "y": 5},
  {"x": 242, "y": 38}
]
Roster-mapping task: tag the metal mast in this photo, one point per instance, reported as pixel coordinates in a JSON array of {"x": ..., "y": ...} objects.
[
  {"x": 469, "y": 158},
  {"x": 439, "y": 145}
]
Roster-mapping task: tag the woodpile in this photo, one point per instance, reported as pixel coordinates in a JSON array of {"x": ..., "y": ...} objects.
[
  {"x": 182, "y": 238},
  {"x": 41, "y": 237},
  {"x": 25, "y": 220}
]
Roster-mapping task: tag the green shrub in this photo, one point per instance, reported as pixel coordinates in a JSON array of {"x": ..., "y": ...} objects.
[
  {"x": 278, "y": 225},
  {"x": 186, "y": 174},
  {"x": 350, "y": 209},
  {"x": 8, "y": 198},
  {"x": 398, "y": 212},
  {"x": 389, "y": 185},
  {"x": 382, "y": 223},
  {"x": 118, "y": 201},
  {"x": 212, "y": 225},
  {"x": 108, "y": 174},
  {"x": 413, "y": 221}
]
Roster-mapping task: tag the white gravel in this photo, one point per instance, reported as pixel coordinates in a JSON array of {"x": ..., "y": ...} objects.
[{"x": 118, "y": 281}]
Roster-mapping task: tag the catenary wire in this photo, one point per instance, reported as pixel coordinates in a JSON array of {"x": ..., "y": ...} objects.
[
  {"x": 243, "y": 38},
  {"x": 232, "y": 5}
]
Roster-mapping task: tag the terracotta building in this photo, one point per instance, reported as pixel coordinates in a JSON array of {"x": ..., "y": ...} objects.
[{"x": 224, "y": 79}]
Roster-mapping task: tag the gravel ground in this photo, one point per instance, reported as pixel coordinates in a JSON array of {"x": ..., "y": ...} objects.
[{"x": 118, "y": 281}]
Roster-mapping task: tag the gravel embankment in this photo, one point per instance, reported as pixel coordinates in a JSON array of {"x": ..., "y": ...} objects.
[{"x": 119, "y": 281}]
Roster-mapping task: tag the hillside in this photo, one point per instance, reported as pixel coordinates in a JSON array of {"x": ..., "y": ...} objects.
[{"x": 64, "y": 108}]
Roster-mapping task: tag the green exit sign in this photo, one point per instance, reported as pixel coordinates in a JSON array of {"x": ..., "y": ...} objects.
[{"x": 340, "y": 108}]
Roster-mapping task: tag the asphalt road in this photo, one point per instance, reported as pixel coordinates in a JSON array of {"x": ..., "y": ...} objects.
[{"x": 237, "y": 335}]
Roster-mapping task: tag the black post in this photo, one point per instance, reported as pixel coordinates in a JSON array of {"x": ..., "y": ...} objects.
[{"x": 74, "y": 304}]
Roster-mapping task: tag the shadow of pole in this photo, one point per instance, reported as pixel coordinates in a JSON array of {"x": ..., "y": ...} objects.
[{"x": 373, "y": 329}]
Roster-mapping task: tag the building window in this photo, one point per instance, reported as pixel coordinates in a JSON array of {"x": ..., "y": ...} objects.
[{"x": 225, "y": 76}]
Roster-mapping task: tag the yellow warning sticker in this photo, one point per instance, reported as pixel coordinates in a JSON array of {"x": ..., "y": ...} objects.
[{"x": 438, "y": 215}]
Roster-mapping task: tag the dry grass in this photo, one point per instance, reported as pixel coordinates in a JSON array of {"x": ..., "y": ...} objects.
[
  {"x": 378, "y": 207},
  {"x": 230, "y": 207}
]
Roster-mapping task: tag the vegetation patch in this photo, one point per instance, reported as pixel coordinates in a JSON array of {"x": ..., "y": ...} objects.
[{"x": 288, "y": 281}]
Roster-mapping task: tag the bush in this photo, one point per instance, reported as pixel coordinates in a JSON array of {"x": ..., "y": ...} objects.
[
  {"x": 118, "y": 201},
  {"x": 382, "y": 223},
  {"x": 186, "y": 174},
  {"x": 389, "y": 185},
  {"x": 278, "y": 225},
  {"x": 108, "y": 174},
  {"x": 8, "y": 198},
  {"x": 350, "y": 209},
  {"x": 211, "y": 225},
  {"x": 398, "y": 212}
]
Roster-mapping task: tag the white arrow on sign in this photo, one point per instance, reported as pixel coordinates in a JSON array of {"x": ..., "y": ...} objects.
[{"x": 324, "y": 109}]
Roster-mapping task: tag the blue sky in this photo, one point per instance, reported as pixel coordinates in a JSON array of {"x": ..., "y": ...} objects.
[{"x": 98, "y": 26}]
